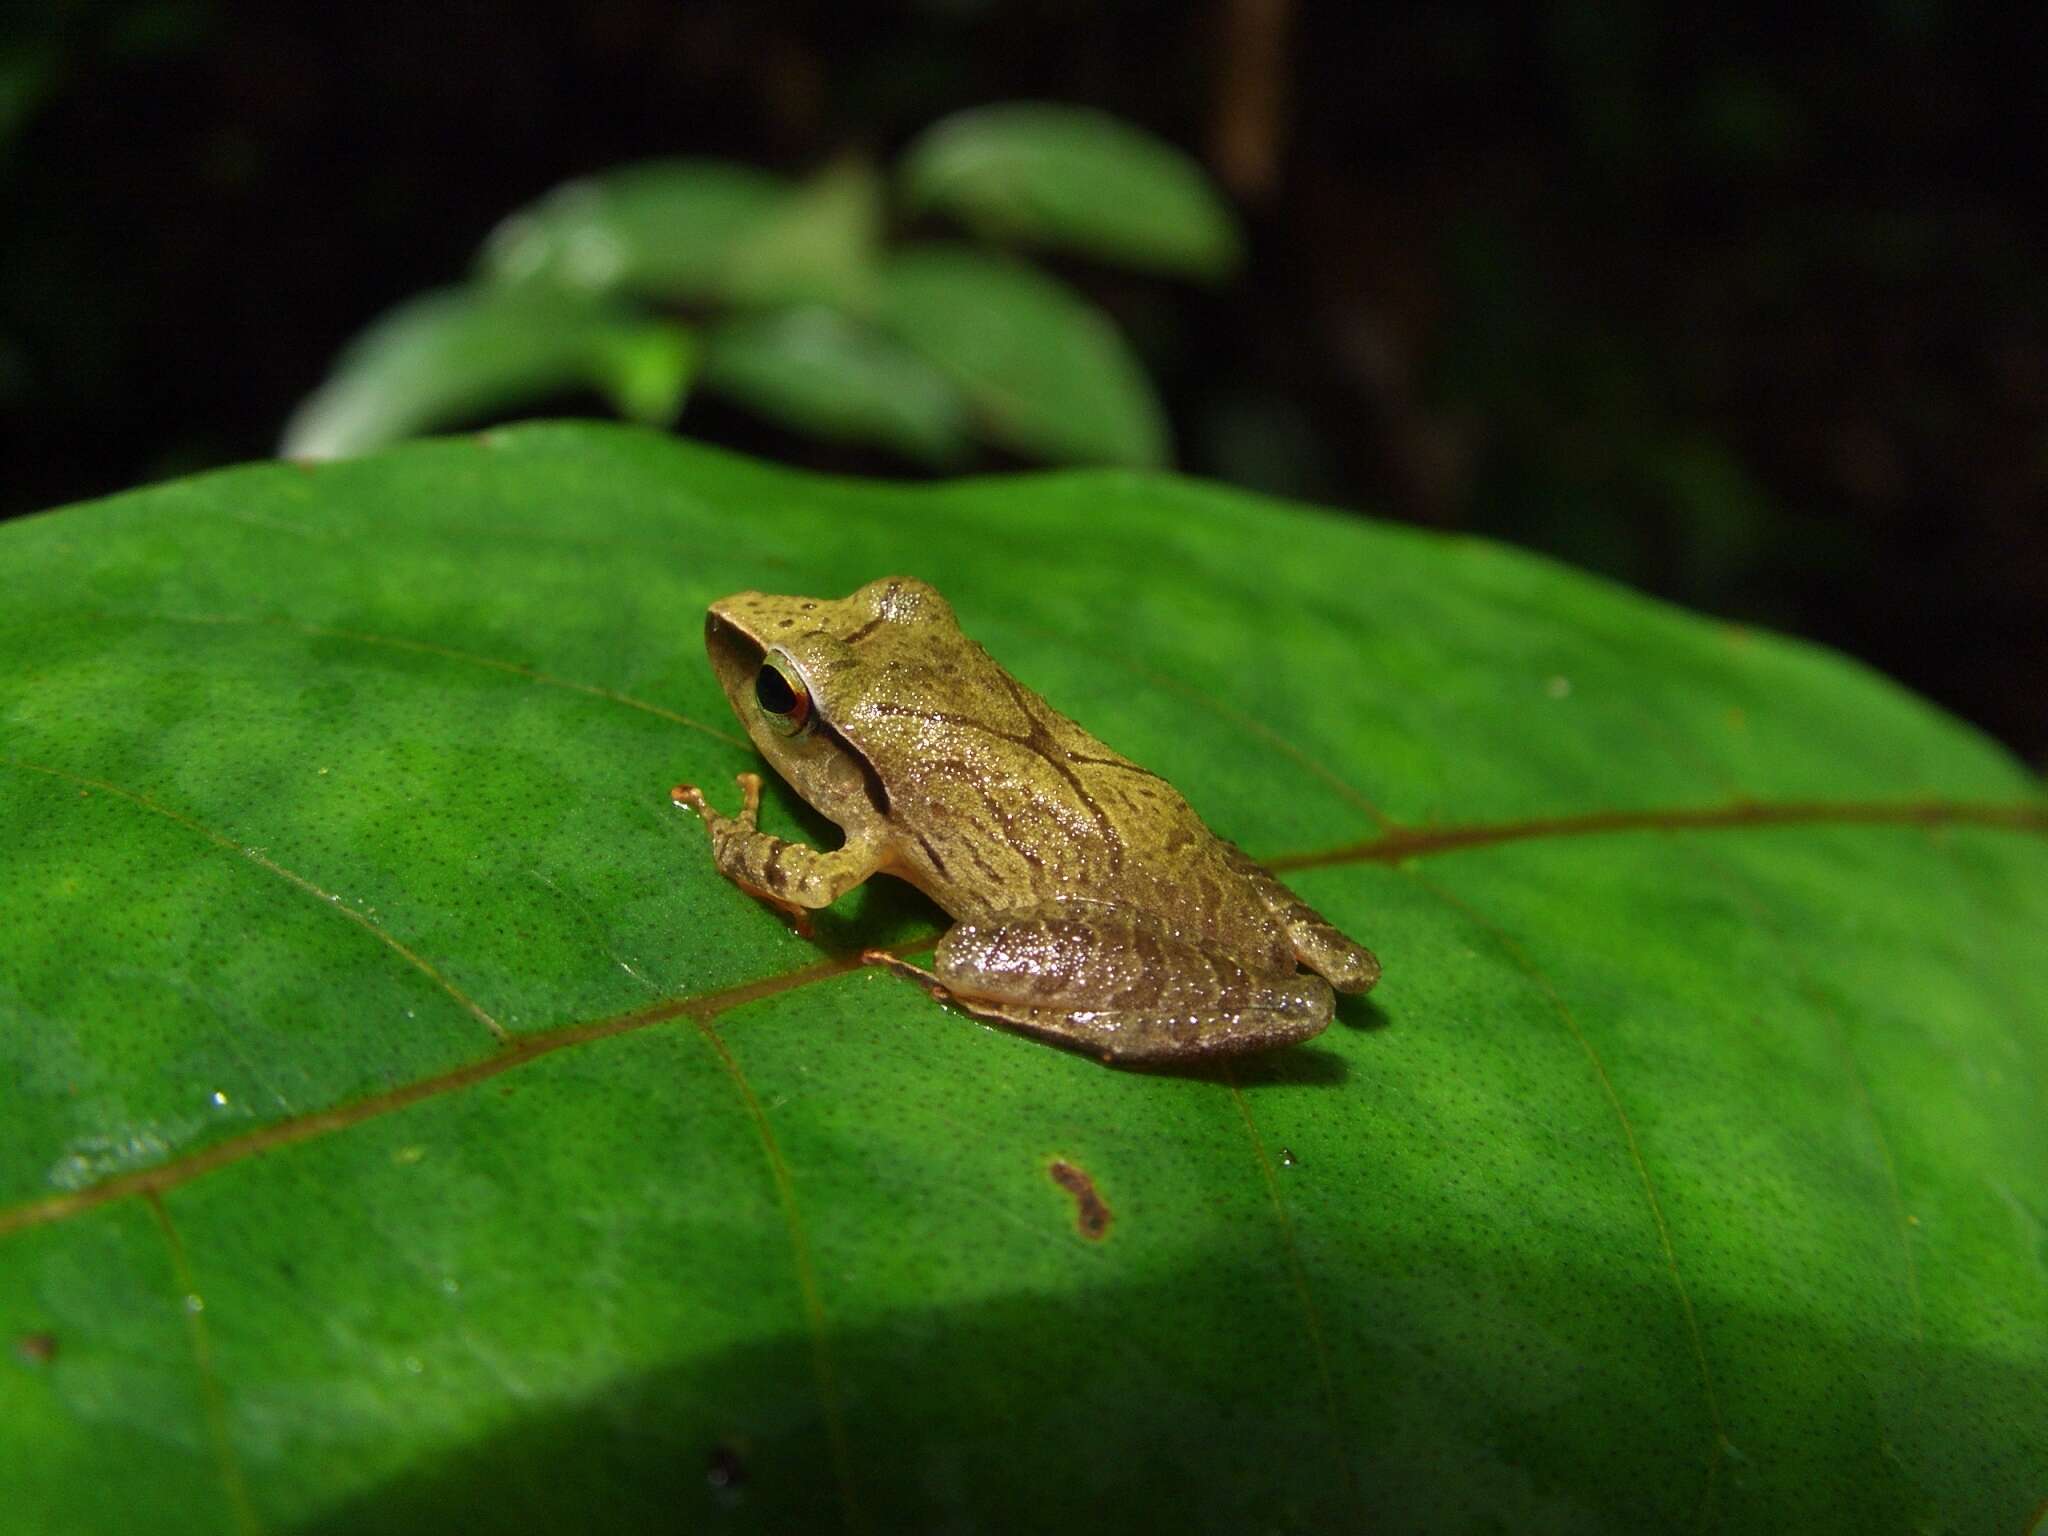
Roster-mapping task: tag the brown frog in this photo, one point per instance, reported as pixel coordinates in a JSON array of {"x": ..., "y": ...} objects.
[{"x": 1091, "y": 906}]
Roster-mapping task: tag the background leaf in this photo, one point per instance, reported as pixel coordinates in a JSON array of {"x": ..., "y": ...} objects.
[
  {"x": 1046, "y": 372},
  {"x": 819, "y": 245},
  {"x": 453, "y": 356},
  {"x": 822, "y": 373},
  {"x": 662, "y": 229},
  {"x": 407, "y": 1131},
  {"x": 1046, "y": 174}
]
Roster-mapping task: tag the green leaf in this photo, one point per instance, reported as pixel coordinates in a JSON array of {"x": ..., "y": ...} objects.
[
  {"x": 813, "y": 369},
  {"x": 1076, "y": 179},
  {"x": 1047, "y": 374},
  {"x": 405, "y": 1130},
  {"x": 662, "y": 229},
  {"x": 461, "y": 354}
]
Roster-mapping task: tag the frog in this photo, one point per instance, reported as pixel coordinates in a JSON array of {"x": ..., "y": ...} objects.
[{"x": 1090, "y": 905}]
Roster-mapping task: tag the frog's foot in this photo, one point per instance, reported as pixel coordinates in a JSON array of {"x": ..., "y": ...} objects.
[
  {"x": 797, "y": 919},
  {"x": 692, "y": 798},
  {"x": 1348, "y": 966}
]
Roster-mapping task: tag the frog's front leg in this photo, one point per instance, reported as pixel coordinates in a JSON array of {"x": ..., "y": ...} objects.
[
  {"x": 1117, "y": 987},
  {"x": 789, "y": 874}
]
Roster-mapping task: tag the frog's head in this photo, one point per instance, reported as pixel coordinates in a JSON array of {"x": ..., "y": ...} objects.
[{"x": 810, "y": 677}]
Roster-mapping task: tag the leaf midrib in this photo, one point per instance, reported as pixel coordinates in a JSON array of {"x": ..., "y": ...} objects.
[{"x": 1396, "y": 845}]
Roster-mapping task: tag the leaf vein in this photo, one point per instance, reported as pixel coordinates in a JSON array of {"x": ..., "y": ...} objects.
[
  {"x": 1455, "y": 837},
  {"x": 815, "y": 1322},
  {"x": 1396, "y": 847},
  {"x": 327, "y": 899},
  {"x": 1767, "y": 921},
  {"x": 317, "y": 1123},
  {"x": 191, "y": 1304},
  {"x": 1311, "y": 1315},
  {"x": 1521, "y": 961}
]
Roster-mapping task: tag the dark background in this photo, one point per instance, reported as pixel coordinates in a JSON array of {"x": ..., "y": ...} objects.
[{"x": 1744, "y": 305}]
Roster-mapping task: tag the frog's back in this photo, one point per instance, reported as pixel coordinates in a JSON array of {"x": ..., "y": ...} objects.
[{"x": 1015, "y": 806}]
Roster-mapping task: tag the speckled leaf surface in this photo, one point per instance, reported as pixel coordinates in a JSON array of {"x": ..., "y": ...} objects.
[{"x": 404, "y": 1130}]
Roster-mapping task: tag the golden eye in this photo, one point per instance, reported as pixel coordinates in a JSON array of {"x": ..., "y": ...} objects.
[{"x": 783, "y": 697}]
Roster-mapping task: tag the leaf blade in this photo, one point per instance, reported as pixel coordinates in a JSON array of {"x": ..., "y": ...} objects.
[
  {"x": 660, "y": 229},
  {"x": 813, "y": 369},
  {"x": 1046, "y": 373},
  {"x": 453, "y": 356},
  {"x": 1424, "y": 1241},
  {"x": 1047, "y": 174}
]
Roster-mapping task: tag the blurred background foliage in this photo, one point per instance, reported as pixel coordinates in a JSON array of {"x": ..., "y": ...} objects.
[
  {"x": 647, "y": 281},
  {"x": 1744, "y": 305}
]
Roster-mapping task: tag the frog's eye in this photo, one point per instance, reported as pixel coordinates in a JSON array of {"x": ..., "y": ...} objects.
[{"x": 783, "y": 697}]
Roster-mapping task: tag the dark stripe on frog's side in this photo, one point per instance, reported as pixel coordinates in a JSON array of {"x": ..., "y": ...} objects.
[
  {"x": 996, "y": 826},
  {"x": 871, "y": 781},
  {"x": 969, "y": 845},
  {"x": 969, "y": 776},
  {"x": 1040, "y": 741},
  {"x": 1048, "y": 746},
  {"x": 933, "y": 854},
  {"x": 973, "y": 851},
  {"x": 1114, "y": 762}
]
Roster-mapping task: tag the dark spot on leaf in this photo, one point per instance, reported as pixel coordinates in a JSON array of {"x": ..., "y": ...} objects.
[
  {"x": 1091, "y": 1216},
  {"x": 36, "y": 1348},
  {"x": 1287, "y": 1158}
]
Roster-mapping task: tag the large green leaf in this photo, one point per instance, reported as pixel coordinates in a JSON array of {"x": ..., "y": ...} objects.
[
  {"x": 1049, "y": 174},
  {"x": 406, "y": 1131}
]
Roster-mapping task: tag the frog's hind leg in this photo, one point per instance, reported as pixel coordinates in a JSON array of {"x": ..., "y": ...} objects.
[
  {"x": 1349, "y": 966},
  {"x": 1116, "y": 989}
]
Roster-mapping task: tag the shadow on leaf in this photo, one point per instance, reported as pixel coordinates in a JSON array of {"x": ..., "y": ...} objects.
[{"x": 1032, "y": 1413}]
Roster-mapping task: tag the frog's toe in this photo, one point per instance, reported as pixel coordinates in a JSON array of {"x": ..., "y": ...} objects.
[
  {"x": 1352, "y": 969},
  {"x": 750, "y": 797}
]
